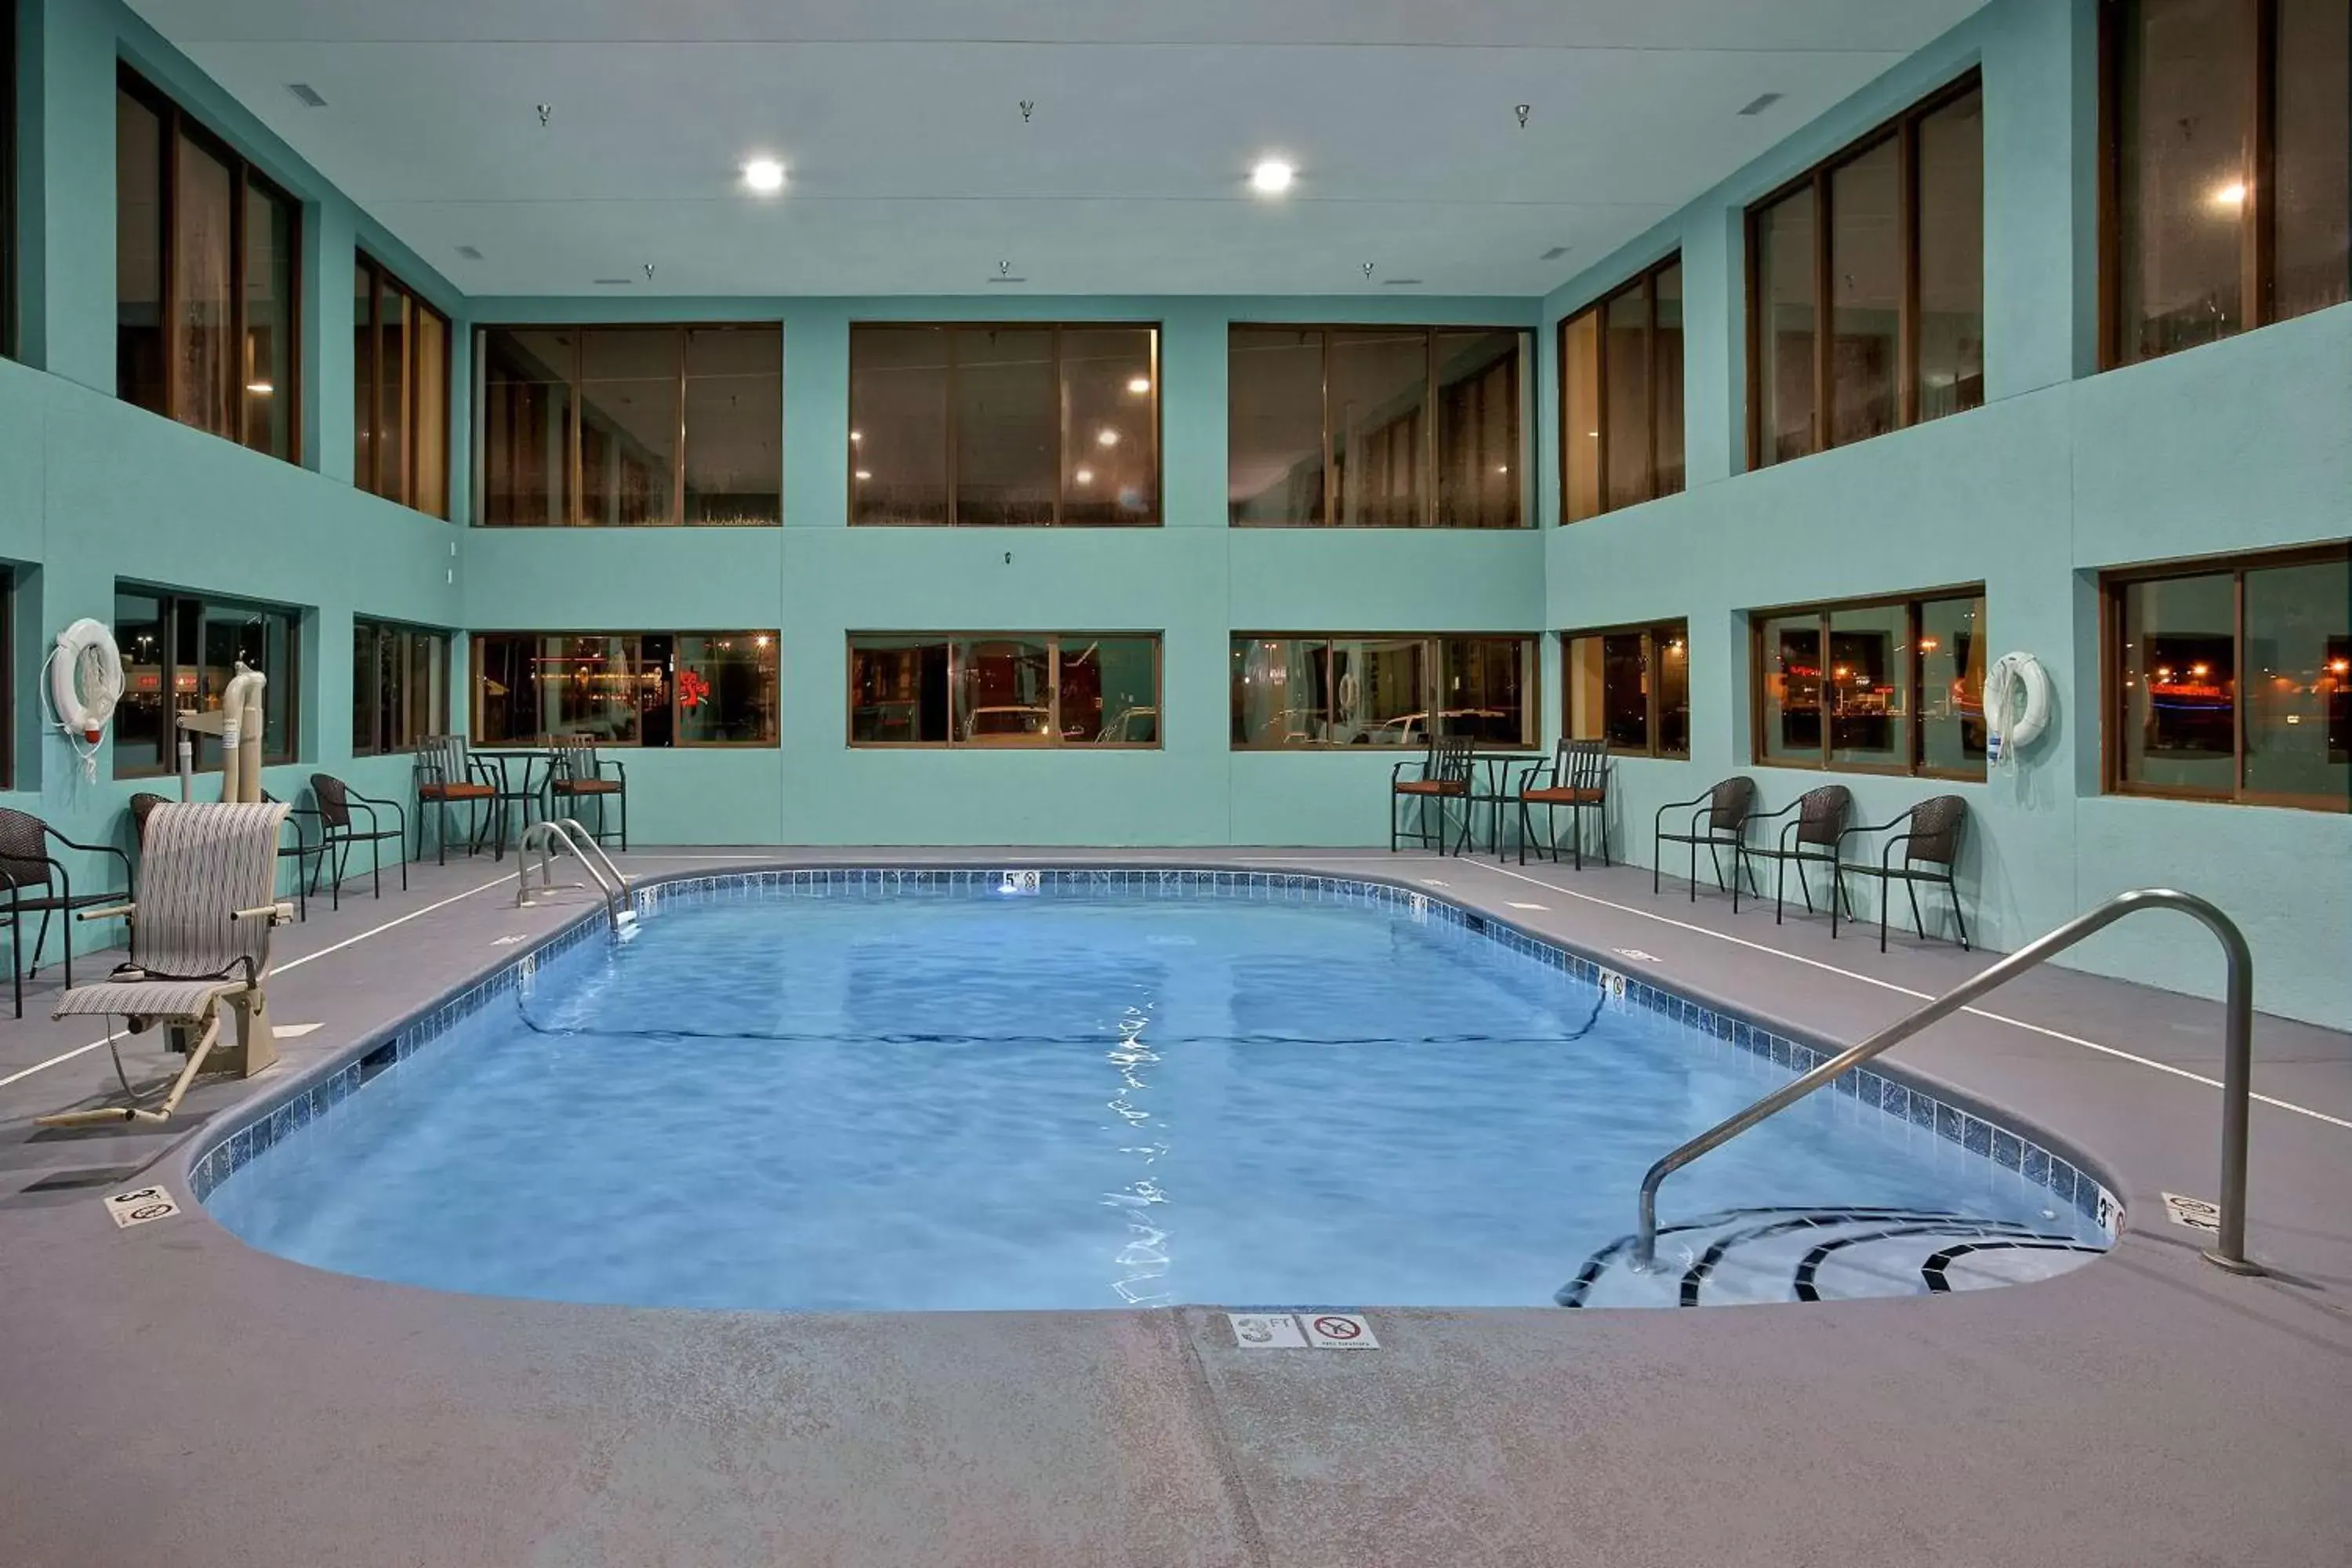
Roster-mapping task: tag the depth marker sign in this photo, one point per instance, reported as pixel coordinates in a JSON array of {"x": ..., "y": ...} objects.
[
  {"x": 1339, "y": 1331},
  {"x": 1299, "y": 1330},
  {"x": 127, "y": 1209}
]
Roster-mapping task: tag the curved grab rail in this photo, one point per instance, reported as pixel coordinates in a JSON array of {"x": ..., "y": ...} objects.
[
  {"x": 545, "y": 835},
  {"x": 2229, "y": 1251}
]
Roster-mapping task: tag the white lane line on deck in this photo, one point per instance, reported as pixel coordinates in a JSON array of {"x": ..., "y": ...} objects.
[
  {"x": 1921, "y": 995},
  {"x": 274, "y": 969}
]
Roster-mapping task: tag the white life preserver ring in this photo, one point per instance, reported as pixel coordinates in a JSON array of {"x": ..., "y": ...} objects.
[
  {"x": 2016, "y": 705},
  {"x": 85, "y": 652},
  {"x": 1350, "y": 697}
]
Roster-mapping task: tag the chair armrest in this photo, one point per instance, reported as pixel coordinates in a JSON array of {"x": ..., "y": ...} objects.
[
  {"x": 399, "y": 814},
  {"x": 89, "y": 849},
  {"x": 1676, "y": 805},
  {"x": 106, "y": 912},
  {"x": 619, "y": 772},
  {"x": 1529, "y": 774},
  {"x": 1396, "y": 773},
  {"x": 276, "y": 914},
  {"x": 1886, "y": 854}
]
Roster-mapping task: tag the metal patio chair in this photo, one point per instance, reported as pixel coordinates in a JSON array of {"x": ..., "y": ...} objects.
[
  {"x": 199, "y": 941},
  {"x": 1577, "y": 777},
  {"x": 1720, "y": 822},
  {"x": 1931, "y": 845},
  {"x": 448, "y": 776},
  {"x": 38, "y": 883},
  {"x": 1810, "y": 840},
  {"x": 1445, "y": 776},
  {"x": 339, "y": 832},
  {"x": 576, "y": 774}
]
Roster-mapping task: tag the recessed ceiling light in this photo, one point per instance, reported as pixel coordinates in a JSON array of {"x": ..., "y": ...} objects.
[
  {"x": 1139, "y": 384},
  {"x": 765, "y": 175},
  {"x": 1271, "y": 177},
  {"x": 1106, "y": 436}
]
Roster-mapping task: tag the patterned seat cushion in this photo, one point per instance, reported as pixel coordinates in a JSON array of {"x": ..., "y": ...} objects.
[
  {"x": 143, "y": 998},
  {"x": 1550, "y": 796},
  {"x": 1432, "y": 787}
]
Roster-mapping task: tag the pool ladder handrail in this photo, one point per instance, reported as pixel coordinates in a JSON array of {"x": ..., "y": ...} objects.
[
  {"x": 548, "y": 832},
  {"x": 2229, "y": 1252}
]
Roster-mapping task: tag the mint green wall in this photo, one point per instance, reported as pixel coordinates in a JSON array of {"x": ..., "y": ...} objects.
[
  {"x": 2237, "y": 446},
  {"x": 2242, "y": 444}
]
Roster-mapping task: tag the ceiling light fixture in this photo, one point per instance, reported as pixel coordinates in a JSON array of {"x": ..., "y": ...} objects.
[
  {"x": 261, "y": 388},
  {"x": 864, "y": 474},
  {"x": 1271, "y": 176},
  {"x": 765, "y": 175},
  {"x": 1083, "y": 475},
  {"x": 1106, "y": 436},
  {"x": 2232, "y": 195},
  {"x": 1141, "y": 385}
]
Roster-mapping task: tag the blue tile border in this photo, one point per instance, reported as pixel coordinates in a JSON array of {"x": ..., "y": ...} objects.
[{"x": 255, "y": 1129}]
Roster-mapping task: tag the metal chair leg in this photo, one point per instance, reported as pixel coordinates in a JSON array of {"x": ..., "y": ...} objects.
[{"x": 1953, "y": 888}]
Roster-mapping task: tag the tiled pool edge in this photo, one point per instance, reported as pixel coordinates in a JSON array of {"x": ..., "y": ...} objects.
[{"x": 245, "y": 1131}]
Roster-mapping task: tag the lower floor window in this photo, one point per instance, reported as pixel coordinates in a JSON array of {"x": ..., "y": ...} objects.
[
  {"x": 1012, "y": 688},
  {"x": 179, "y": 651},
  {"x": 626, "y": 688},
  {"x": 400, "y": 687},
  {"x": 2233, "y": 680},
  {"x": 1876, "y": 685},
  {"x": 1392, "y": 689},
  {"x": 1630, "y": 687}
]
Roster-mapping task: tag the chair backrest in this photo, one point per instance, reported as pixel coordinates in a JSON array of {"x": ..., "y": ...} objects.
[
  {"x": 201, "y": 863},
  {"x": 1822, "y": 813},
  {"x": 24, "y": 850},
  {"x": 334, "y": 799},
  {"x": 1581, "y": 764},
  {"x": 573, "y": 758},
  {"x": 441, "y": 760},
  {"x": 1935, "y": 829},
  {"x": 143, "y": 806},
  {"x": 1449, "y": 760},
  {"x": 1729, "y": 803}
]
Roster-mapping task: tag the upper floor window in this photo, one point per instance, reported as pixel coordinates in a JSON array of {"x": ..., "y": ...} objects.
[
  {"x": 178, "y": 653},
  {"x": 400, "y": 687},
  {"x": 1890, "y": 685},
  {"x": 207, "y": 326},
  {"x": 2226, "y": 186},
  {"x": 1866, "y": 284},
  {"x": 1010, "y": 688},
  {"x": 400, "y": 397},
  {"x": 1383, "y": 690},
  {"x": 630, "y": 426},
  {"x": 1026, "y": 425},
  {"x": 2232, "y": 679},
  {"x": 1621, "y": 396},
  {"x": 1629, "y": 686},
  {"x": 626, "y": 688},
  {"x": 1375, "y": 426}
]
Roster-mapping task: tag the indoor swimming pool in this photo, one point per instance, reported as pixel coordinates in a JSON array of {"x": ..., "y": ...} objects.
[{"x": 874, "y": 1090}]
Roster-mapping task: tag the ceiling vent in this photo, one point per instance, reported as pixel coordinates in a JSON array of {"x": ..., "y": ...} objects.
[
  {"x": 1763, "y": 102},
  {"x": 307, "y": 93},
  {"x": 470, "y": 253},
  {"x": 1400, "y": 282},
  {"x": 1555, "y": 253},
  {"x": 1008, "y": 281},
  {"x": 613, "y": 282}
]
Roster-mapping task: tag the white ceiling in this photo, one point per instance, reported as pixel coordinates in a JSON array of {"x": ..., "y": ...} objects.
[{"x": 912, "y": 171}]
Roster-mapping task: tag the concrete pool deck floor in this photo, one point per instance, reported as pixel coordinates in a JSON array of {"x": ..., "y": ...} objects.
[{"x": 168, "y": 1393}]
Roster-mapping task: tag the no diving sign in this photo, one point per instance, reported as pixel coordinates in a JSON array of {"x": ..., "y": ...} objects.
[
  {"x": 1299, "y": 1331},
  {"x": 138, "y": 1207}
]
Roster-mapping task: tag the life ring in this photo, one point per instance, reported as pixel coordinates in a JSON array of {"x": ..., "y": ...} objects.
[
  {"x": 85, "y": 651},
  {"x": 1350, "y": 695},
  {"x": 2014, "y": 678}
]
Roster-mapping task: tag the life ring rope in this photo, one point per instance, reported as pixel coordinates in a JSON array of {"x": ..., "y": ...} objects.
[
  {"x": 2017, "y": 705},
  {"x": 85, "y": 671}
]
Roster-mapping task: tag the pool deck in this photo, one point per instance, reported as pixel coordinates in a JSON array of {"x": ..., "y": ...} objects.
[{"x": 169, "y": 1395}]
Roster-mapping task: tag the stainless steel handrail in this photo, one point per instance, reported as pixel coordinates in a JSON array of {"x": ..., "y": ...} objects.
[
  {"x": 548, "y": 832},
  {"x": 2229, "y": 1252}
]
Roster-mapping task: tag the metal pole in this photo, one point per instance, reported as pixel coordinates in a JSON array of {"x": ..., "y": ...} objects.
[{"x": 2237, "y": 1096}]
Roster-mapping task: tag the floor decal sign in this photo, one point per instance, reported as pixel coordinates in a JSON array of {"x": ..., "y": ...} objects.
[
  {"x": 2194, "y": 1213},
  {"x": 1301, "y": 1331},
  {"x": 127, "y": 1209}
]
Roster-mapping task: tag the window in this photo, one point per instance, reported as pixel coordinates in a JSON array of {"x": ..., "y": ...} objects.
[
  {"x": 626, "y": 688},
  {"x": 1621, "y": 406},
  {"x": 998, "y": 690},
  {"x": 630, "y": 426},
  {"x": 178, "y": 653},
  {"x": 1629, "y": 686},
  {"x": 1382, "y": 689},
  {"x": 207, "y": 328},
  {"x": 2232, "y": 680},
  {"x": 7, "y": 655},
  {"x": 1874, "y": 686},
  {"x": 2227, "y": 187},
  {"x": 1866, "y": 284},
  {"x": 400, "y": 399},
  {"x": 1368, "y": 427},
  {"x": 1031, "y": 425},
  {"x": 400, "y": 687},
  {"x": 8, "y": 328}
]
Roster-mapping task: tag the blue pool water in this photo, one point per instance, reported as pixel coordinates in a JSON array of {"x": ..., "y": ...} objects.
[{"x": 943, "y": 1100}]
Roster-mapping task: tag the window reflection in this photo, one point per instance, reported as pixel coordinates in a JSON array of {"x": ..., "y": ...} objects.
[
  {"x": 178, "y": 655},
  {"x": 1379, "y": 393},
  {"x": 526, "y": 425},
  {"x": 1895, "y": 685},
  {"x": 1783, "y": 343},
  {"x": 628, "y": 411},
  {"x": 1865, "y": 291},
  {"x": 1385, "y": 691},
  {"x": 1273, "y": 414},
  {"x": 1631, "y": 688},
  {"x": 1952, "y": 660},
  {"x": 400, "y": 687},
  {"x": 1016, "y": 690},
  {"x": 2185, "y": 80},
  {"x": 1867, "y": 688},
  {"x": 400, "y": 392},
  {"x": 1007, "y": 427},
  {"x": 626, "y": 688},
  {"x": 1951, "y": 257},
  {"x": 1479, "y": 482}
]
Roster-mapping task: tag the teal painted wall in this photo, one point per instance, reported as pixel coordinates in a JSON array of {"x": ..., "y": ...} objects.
[{"x": 2237, "y": 446}]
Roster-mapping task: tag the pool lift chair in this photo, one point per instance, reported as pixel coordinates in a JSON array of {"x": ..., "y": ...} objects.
[{"x": 201, "y": 919}]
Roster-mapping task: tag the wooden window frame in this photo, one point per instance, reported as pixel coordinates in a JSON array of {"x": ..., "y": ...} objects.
[
  {"x": 371, "y": 418},
  {"x": 1433, "y": 663},
  {"x": 11, "y": 329},
  {"x": 1646, "y": 282},
  {"x": 440, "y": 722},
  {"x": 1904, "y": 130},
  {"x": 2111, "y": 585},
  {"x": 575, "y": 447},
  {"x": 171, "y": 603},
  {"x": 1429, "y": 455},
  {"x": 1915, "y": 766},
  {"x": 953, "y": 332},
  {"x": 1648, "y": 631},
  {"x": 1053, "y": 741},
  {"x": 2256, "y": 218},
  {"x": 476, "y": 640},
  {"x": 174, "y": 124}
]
